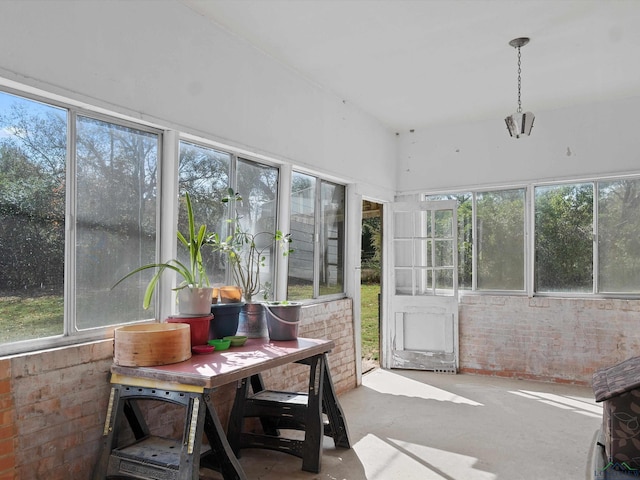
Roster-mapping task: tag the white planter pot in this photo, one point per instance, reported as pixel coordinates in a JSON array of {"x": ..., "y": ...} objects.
[{"x": 195, "y": 301}]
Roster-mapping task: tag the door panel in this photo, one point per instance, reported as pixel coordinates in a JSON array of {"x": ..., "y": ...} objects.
[{"x": 424, "y": 302}]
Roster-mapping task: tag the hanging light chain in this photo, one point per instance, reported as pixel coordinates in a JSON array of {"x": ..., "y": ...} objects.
[
  {"x": 519, "y": 82},
  {"x": 519, "y": 124}
]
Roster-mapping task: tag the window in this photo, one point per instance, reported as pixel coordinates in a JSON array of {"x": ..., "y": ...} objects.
[
  {"x": 316, "y": 265},
  {"x": 115, "y": 210},
  {"x": 80, "y": 208},
  {"x": 500, "y": 222},
  {"x": 303, "y": 230},
  {"x": 564, "y": 238},
  {"x": 331, "y": 238},
  {"x": 204, "y": 173},
  {"x": 104, "y": 179},
  {"x": 258, "y": 186},
  {"x": 585, "y": 238},
  {"x": 619, "y": 236},
  {"x": 33, "y": 150}
]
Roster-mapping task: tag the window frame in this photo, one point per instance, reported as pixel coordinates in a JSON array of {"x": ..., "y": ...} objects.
[
  {"x": 71, "y": 334},
  {"x": 167, "y": 187},
  {"x": 530, "y": 237},
  {"x": 318, "y": 225}
]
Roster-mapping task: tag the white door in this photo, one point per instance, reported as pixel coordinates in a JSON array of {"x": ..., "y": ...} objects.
[{"x": 424, "y": 300}]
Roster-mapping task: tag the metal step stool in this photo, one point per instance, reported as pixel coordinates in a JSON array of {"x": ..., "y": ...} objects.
[{"x": 151, "y": 457}]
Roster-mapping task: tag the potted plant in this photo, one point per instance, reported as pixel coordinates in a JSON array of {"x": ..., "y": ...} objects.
[
  {"x": 246, "y": 252},
  {"x": 194, "y": 291}
]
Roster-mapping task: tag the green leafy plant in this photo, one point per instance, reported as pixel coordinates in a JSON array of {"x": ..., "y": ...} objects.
[
  {"x": 246, "y": 250},
  {"x": 193, "y": 275}
]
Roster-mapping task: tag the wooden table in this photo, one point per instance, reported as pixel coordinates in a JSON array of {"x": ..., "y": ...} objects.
[{"x": 190, "y": 384}]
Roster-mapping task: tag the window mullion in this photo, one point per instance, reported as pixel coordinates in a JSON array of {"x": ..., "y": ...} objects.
[
  {"x": 596, "y": 266},
  {"x": 70, "y": 227},
  {"x": 474, "y": 242},
  {"x": 316, "y": 239},
  {"x": 529, "y": 243},
  {"x": 283, "y": 223}
]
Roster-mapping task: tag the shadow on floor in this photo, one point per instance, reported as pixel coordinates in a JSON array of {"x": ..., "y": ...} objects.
[{"x": 422, "y": 425}]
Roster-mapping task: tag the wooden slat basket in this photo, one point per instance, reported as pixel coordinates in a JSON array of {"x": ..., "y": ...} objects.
[{"x": 152, "y": 344}]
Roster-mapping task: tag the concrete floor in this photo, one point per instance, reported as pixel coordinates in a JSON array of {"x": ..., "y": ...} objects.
[{"x": 421, "y": 425}]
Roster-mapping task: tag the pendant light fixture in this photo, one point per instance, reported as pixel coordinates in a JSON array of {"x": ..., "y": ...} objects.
[{"x": 519, "y": 123}]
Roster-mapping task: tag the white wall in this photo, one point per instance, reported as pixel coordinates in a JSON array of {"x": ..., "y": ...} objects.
[
  {"x": 583, "y": 141},
  {"x": 161, "y": 62}
]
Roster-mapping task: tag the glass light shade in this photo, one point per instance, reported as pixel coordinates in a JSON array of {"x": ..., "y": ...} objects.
[{"x": 520, "y": 124}]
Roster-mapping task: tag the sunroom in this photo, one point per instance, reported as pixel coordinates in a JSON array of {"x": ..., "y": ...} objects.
[{"x": 500, "y": 256}]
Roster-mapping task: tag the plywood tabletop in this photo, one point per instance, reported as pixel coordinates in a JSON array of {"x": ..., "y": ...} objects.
[{"x": 221, "y": 367}]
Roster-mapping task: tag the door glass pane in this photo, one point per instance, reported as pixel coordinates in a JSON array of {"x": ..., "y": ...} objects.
[
  {"x": 464, "y": 233},
  {"x": 424, "y": 281},
  {"x": 444, "y": 281},
  {"x": 204, "y": 173},
  {"x": 404, "y": 283},
  {"x": 564, "y": 238},
  {"x": 500, "y": 238},
  {"x": 402, "y": 250},
  {"x": 422, "y": 255},
  {"x": 443, "y": 224},
  {"x": 302, "y": 229},
  {"x": 444, "y": 253},
  {"x": 618, "y": 238},
  {"x": 424, "y": 223},
  {"x": 115, "y": 220},
  {"x": 33, "y": 143}
]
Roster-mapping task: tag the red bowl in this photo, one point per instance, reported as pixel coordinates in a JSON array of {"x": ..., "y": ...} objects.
[{"x": 202, "y": 349}]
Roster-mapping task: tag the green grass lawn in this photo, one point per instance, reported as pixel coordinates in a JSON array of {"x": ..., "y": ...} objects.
[
  {"x": 24, "y": 317},
  {"x": 42, "y": 316},
  {"x": 369, "y": 321}
]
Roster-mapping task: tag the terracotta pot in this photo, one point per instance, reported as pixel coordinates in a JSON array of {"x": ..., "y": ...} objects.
[{"x": 230, "y": 294}]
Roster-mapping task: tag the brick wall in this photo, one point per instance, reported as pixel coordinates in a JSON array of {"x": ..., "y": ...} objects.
[
  {"x": 7, "y": 423},
  {"x": 53, "y": 403},
  {"x": 551, "y": 339}
]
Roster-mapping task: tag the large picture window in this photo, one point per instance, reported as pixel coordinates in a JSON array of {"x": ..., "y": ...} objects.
[
  {"x": 115, "y": 211},
  {"x": 585, "y": 238},
  {"x": 57, "y": 276},
  {"x": 500, "y": 223},
  {"x": 619, "y": 236},
  {"x": 33, "y": 152},
  {"x": 564, "y": 238}
]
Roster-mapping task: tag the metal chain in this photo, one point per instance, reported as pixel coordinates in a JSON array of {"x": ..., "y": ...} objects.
[{"x": 519, "y": 83}]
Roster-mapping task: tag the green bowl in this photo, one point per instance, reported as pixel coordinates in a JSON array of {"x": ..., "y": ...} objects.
[
  {"x": 236, "y": 340},
  {"x": 220, "y": 343}
]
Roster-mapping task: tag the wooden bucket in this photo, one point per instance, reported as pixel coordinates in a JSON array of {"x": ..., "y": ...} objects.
[{"x": 152, "y": 344}]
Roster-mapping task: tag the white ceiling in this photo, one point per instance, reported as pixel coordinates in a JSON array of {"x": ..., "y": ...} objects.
[{"x": 416, "y": 63}]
